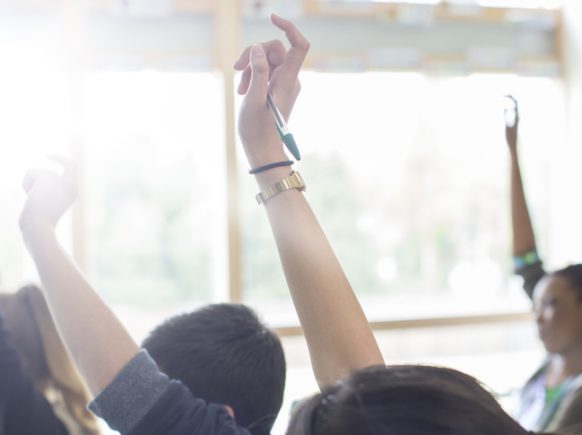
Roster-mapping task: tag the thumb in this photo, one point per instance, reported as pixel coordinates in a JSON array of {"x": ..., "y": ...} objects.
[{"x": 259, "y": 85}]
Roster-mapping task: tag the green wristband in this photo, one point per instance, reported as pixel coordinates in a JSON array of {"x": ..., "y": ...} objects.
[{"x": 527, "y": 259}]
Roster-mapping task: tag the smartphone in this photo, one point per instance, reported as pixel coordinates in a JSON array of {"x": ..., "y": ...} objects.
[{"x": 510, "y": 111}]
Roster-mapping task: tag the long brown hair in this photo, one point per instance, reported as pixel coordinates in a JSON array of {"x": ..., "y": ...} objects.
[{"x": 404, "y": 400}]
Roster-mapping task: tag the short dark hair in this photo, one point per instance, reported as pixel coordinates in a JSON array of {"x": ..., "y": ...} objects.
[
  {"x": 573, "y": 274},
  {"x": 224, "y": 354},
  {"x": 404, "y": 400}
]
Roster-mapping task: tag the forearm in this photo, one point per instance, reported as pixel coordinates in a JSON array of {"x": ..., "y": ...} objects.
[
  {"x": 523, "y": 234},
  {"x": 93, "y": 335},
  {"x": 336, "y": 329}
]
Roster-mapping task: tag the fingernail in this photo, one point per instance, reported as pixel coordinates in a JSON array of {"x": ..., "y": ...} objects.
[{"x": 257, "y": 50}]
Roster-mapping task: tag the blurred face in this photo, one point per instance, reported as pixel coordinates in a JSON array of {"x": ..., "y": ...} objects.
[{"x": 558, "y": 314}]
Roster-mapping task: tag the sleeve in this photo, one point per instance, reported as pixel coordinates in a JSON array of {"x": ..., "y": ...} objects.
[
  {"x": 142, "y": 400},
  {"x": 25, "y": 409},
  {"x": 531, "y": 274}
]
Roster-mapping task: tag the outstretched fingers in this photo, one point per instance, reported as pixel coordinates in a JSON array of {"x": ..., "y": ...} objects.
[
  {"x": 288, "y": 63},
  {"x": 298, "y": 51}
]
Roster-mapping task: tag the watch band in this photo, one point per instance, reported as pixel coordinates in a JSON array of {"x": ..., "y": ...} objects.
[{"x": 293, "y": 181}]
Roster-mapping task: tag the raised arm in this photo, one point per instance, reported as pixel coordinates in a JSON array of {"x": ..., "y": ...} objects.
[
  {"x": 134, "y": 396},
  {"x": 336, "y": 329},
  {"x": 93, "y": 335},
  {"x": 525, "y": 257},
  {"x": 522, "y": 230}
]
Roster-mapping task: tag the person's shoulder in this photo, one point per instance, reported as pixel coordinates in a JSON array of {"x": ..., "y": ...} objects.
[
  {"x": 569, "y": 413},
  {"x": 572, "y": 404},
  {"x": 142, "y": 400},
  {"x": 177, "y": 412},
  {"x": 576, "y": 387}
]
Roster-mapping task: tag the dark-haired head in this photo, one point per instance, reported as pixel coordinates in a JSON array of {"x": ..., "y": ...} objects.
[
  {"x": 224, "y": 354},
  {"x": 404, "y": 400},
  {"x": 572, "y": 274},
  {"x": 558, "y": 307}
]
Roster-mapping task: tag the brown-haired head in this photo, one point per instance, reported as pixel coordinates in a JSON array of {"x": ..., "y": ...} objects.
[{"x": 404, "y": 400}]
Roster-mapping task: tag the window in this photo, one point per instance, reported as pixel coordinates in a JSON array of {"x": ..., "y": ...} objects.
[
  {"x": 406, "y": 170},
  {"x": 429, "y": 155},
  {"x": 155, "y": 188},
  {"x": 409, "y": 177},
  {"x": 34, "y": 110}
]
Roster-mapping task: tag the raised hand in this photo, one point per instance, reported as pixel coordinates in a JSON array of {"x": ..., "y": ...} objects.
[
  {"x": 269, "y": 67},
  {"x": 511, "y": 130},
  {"x": 49, "y": 193}
]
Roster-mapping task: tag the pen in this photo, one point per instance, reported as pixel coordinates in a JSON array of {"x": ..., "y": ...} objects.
[{"x": 286, "y": 137}]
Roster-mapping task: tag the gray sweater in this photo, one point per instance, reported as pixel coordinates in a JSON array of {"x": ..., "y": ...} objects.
[{"x": 141, "y": 400}]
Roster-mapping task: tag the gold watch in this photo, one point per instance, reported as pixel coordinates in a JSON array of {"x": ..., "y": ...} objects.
[{"x": 293, "y": 181}]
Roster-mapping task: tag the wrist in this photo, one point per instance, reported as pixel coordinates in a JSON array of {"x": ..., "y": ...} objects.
[
  {"x": 267, "y": 178},
  {"x": 526, "y": 259},
  {"x": 293, "y": 181},
  {"x": 34, "y": 226},
  {"x": 264, "y": 152},
  {"x": 282, "y": 163}
]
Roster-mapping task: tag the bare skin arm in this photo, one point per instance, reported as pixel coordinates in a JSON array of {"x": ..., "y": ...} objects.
[
  {"x": 522, "y": 230},
  {"x": 336, "y": 329},
  {"x": 97, "y": 341}
]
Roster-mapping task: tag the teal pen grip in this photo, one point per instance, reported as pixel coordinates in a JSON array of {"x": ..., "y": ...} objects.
[{"x": 289, "y": 142}]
